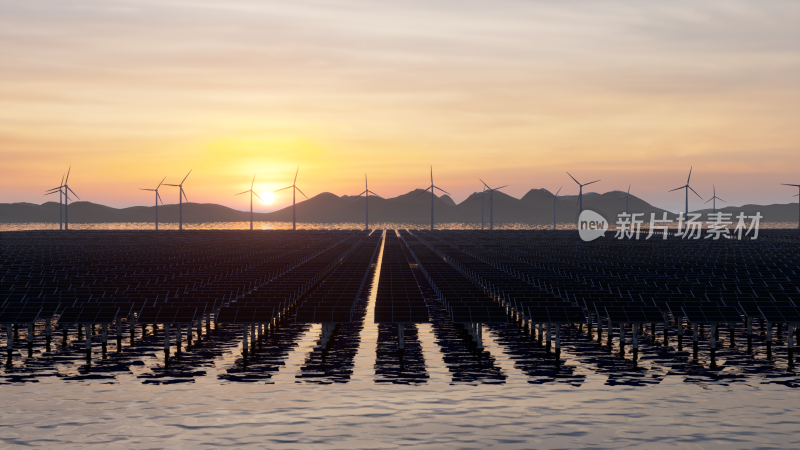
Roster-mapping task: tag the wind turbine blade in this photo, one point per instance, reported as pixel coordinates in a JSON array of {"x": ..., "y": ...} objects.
[
  {"x": 712, "y": 198},
  {"x": 373, "y": 193},
  {"x": 50, "y": 193},
  {"x": 159, "y": 197},
  {"x": 484, "y": 183},
  {"x": 795, "y": 185},
  {"x": 595, "y": 181},
  {"x": 184, "y": 194},
  {"x": 431, "y": 175},
  {"x": 282, "y": 189},
  {"x": 437, "y": 187},
  {"x": 176, "y": 185},
  {"x": 682, "y": 187},
  {"x": 68, "y": 171},
  {"x": 295, "y": 176},
  {"x": 501, "y": 187},
  {"x": 359, "y": 195},
  {"x": 159, "y": 184},
  {"x": 240, "y": 193},
  {"x": 62, "y": 179},
  {"x": 254, "y": 180},
  {"x": 721, "y": 200},
  {"x": 690, "y": 176},
  {"x": 187, "y": 176},
  {"x": 424, "y": 191},
  {"x": 73, "y": 192},
  {"x": 629, "y": 189},
  {"x": 695, "y": 193},
  {"x": 143, "y": 189},
  {"x": 304, "y": 195},
  {"x": 258, "y": 196},
  {"x": 54, "y": 189},
  {"x": 559, "y": 190},
  {"x": 573, "y": 178}
]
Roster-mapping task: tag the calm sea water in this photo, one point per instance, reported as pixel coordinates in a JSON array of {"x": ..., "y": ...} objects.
[{"x": 360, "y": 392}]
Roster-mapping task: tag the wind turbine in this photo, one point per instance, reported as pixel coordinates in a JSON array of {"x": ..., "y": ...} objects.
[
  {"x": 627, "y": 198},
  {"x": 432, "y": 187},
  {"x": 181, "y": 196},
  {"x": 491, "y": 203},
  {"x": 555, "y": 199},
  {"x": 483, "y": 195},
  {"x": 366, "y": 197},
  {"x": 687, "y": 188},
  {"x": 158, "y": 197},
  {"x": 715, "y": 198},
  {"x": 251, "y": 200},
  {"x": 580, "y": 194},
  {"x": 798, "y": 195},
  {"x": 60, "y": 203},
  {"x": 65, "y": 187},
  {"x": 294, "y": 195}
]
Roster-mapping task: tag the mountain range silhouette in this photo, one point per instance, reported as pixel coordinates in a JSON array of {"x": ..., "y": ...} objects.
[{"x": 535, "y": 207}]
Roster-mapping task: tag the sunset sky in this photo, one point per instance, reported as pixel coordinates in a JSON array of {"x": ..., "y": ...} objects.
[{"x": 514, "y": 92}]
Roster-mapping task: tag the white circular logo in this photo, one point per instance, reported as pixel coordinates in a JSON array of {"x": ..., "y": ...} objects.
[{"x": 591, "y": 225}]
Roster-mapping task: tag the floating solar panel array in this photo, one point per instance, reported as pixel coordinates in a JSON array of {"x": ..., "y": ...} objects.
[
  {"x": 399, "y": 299},
  {"x": 334, "y": 299},
  {"x": 630, "y": 281},
  {"x": 167, "y": 278}
]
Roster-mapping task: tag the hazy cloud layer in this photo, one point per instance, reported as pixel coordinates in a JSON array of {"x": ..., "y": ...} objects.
[{"x": 519, "y": 91}]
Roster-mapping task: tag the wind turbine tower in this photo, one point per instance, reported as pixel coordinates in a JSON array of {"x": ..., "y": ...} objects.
[
  {"x": 66, "y": 189},
  {"x": 432, "y": 187},
  {"x": 687, "y": 188},
  {"x": 491, "y": 203},
  {"x": 366, "y": 198},
  {"x": 294, "y": 198},
  {"x": 60, "y": 203},
  {"x": 715, "y": 198},
  {"x": 627, "y": 198},
  {"x": 555, "y": 199},
  {"x": 580, "y": 194},
  {"x": 158, "y": 197},
  {"x": 181, "y": 196},
  {"x": 251, "y": 199}
]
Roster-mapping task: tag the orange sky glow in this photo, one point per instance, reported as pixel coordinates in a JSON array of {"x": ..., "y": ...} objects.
[{"x": 517, "y": 93}]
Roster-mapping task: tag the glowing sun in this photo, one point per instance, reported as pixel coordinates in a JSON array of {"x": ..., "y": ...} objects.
[{"x": 267, "y": 198}]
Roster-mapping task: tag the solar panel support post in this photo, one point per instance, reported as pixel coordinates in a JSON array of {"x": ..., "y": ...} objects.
[
  {"x": 253, "y": 332},
  {"x": 479, "y": 336},
  {"x": 558, "y": 337},
  {"x": 636, "y": 338},
  {"x": 9, "y": 338},
  {"x": 30, "y": 334},
  {"x": 622, "y": 330},
  {"x": 105, "y": 334},
  {"x": 178, "y": 337},
  {"x": 401, "y": 340},
  {"x": 88, "y": 340},
  {"x": 549, "y": 326},
  {"x": 749, "y": 326},
  {"x": 47, "y": 331},
  {"x": 244, "y": 338},
  {"x": 790, "y": 336},
  {"x": 695, "y": 335},
  {"x": 769, "y": 333},
  {"x": 166, "y": 337},
  {"x": 541, "y": 332}
]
